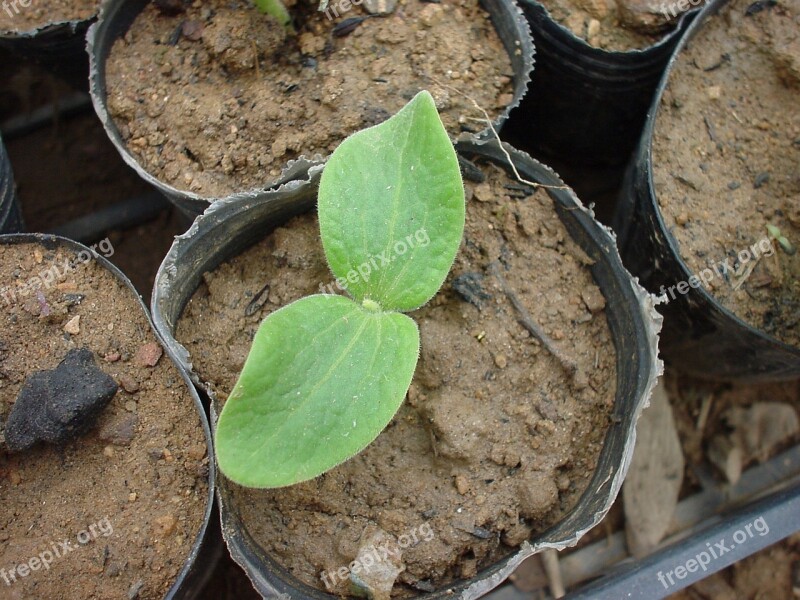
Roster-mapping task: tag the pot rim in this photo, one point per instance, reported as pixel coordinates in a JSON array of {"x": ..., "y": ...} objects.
[{"x": 651, "y": 368}]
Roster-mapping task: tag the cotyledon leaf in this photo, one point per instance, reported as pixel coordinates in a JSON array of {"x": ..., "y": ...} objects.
[
  {"x": 391, "y": 208},
  {"x": 323, "y": 378}
]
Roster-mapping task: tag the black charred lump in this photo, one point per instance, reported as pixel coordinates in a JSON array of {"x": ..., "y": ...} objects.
[{"x": 59, "y": 405}]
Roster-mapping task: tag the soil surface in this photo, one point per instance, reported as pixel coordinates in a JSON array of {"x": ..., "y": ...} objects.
[
  {"x": 616, "y": 25},
  {"x": 16, "y": 17},
  {"x": 128, "y": 497},
  {"x": 494, "y": 442},
  {"x": 725, "y": 155},
  {"x": 218, "y": 99}
]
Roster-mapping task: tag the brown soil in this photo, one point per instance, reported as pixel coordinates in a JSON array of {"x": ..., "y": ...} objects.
[
  {"x": 204, "y": 116},
  {"x": 615, "y": 26},
  {"x": 725, "y": 154},
  {"x": 494, "y": 441},
  {"x": 14, "y": 16},
  {"x": 144, "y": 468}
]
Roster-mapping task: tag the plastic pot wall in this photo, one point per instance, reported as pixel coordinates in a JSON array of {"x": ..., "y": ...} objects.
[
  {"x": 228, "y": 228},
  {"x": 700, "y": 336},
  {"x": 116, "y": 17},
  {"x": 59, "y": 47},
  {"x": 10, "y": 214},
  {"x": 586, "y": 105},
  {"x": 203, "y": 554}
]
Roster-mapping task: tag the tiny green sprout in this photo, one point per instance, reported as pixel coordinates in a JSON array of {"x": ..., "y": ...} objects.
[
  {"x": 277, "y": 9},
  {"x": 776, "y": 234},
  {"x": 326, "y": 374}
]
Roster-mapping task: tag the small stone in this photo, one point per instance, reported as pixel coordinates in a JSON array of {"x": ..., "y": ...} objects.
[
  {"x": 682, "y": 219},
  {"x": 431, "y": 14},
  {"x": 112, "y": 356},
  {"x": 714, "y": 92},
  {"x": 108, "y": 451},
  {"x": 130, "y": 406},
  {"x": 132, "y": 497},
  {"x": 593, "y": 28},
  {"x": 15, "y": 477},
  {"x": 501, "y": 361},
  {"x": 59, "y": 405},
  {"x": 148, "y": 354},
  {"x": 197, "y": 452},
  {"x": 120, "y": 431},
  {"x": 593, "y": 299},
  {"x": 165, "y": 525},
  {"x": 377, "y": 581},
  {"x": 380, "y": 7},
  {"x": 483, "y": 192},
  {"x": 73, "y": 326},
  {"x": 462, "y": 484},
  {"x": 129, "y": 384},
  {"x": 644, "y": 16}
]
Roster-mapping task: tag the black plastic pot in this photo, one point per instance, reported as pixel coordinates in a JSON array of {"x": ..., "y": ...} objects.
[
  {"x": 586, "y": 105},
  {"x": 10, "y": 215},
  {"x": 228, "y": 228},
  {"x": 59, "y": 47},
  {"x": 116, "y": 17},
  {"x": 700, "y": 336},
  {"x": 204, "y": 553}
]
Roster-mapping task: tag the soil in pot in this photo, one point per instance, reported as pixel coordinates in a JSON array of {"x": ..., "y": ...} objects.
[
  {"x": 617, "y": 25},
  {"x": 216, "y": 100},
  {"x": 14, "y": 17},
  {"x": 494, "y": 442},
  {"x": 128, "y": 497},
  {"x": 725, "y": 152}
]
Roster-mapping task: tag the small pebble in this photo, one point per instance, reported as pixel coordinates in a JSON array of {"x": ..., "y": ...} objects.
[
  {"x": 73, "y": 326},
  {"x": 130, "y": 406},
  {"x": 129, "y": 384},
  {"x": 462, "y": 484},
  {"x": 501, "y": 361},
  {"x": 148, "y": 354}
]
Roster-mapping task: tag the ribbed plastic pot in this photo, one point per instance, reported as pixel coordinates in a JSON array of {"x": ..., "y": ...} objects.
[
  {"x": 587, "y": 105},
  {"x": 60, "y": 47},
  {"x": 700, "y": 336},
  {"x": 10, "y": 214},
  {"x": 228, "y": 228},
  {"x": 203, "y": 554},
  {"x": 116, "y": 17}
]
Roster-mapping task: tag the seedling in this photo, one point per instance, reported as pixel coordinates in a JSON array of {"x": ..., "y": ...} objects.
[
  {"x": 775, "y": 233},
  {"x": 327, "y": 373},
  {"x": 277, "y": 9}
]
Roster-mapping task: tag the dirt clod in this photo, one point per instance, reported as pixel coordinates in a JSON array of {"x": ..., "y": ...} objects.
[{"x": 59, "y": 405}]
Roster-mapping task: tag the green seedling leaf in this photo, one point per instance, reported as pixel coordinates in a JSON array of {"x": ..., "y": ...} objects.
[
  {"x": 326, "y": 374},
  {"x": 277, "y": 9},
  {"x": 323, "y": 378},
  {"x": 391, "y": 208}
]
